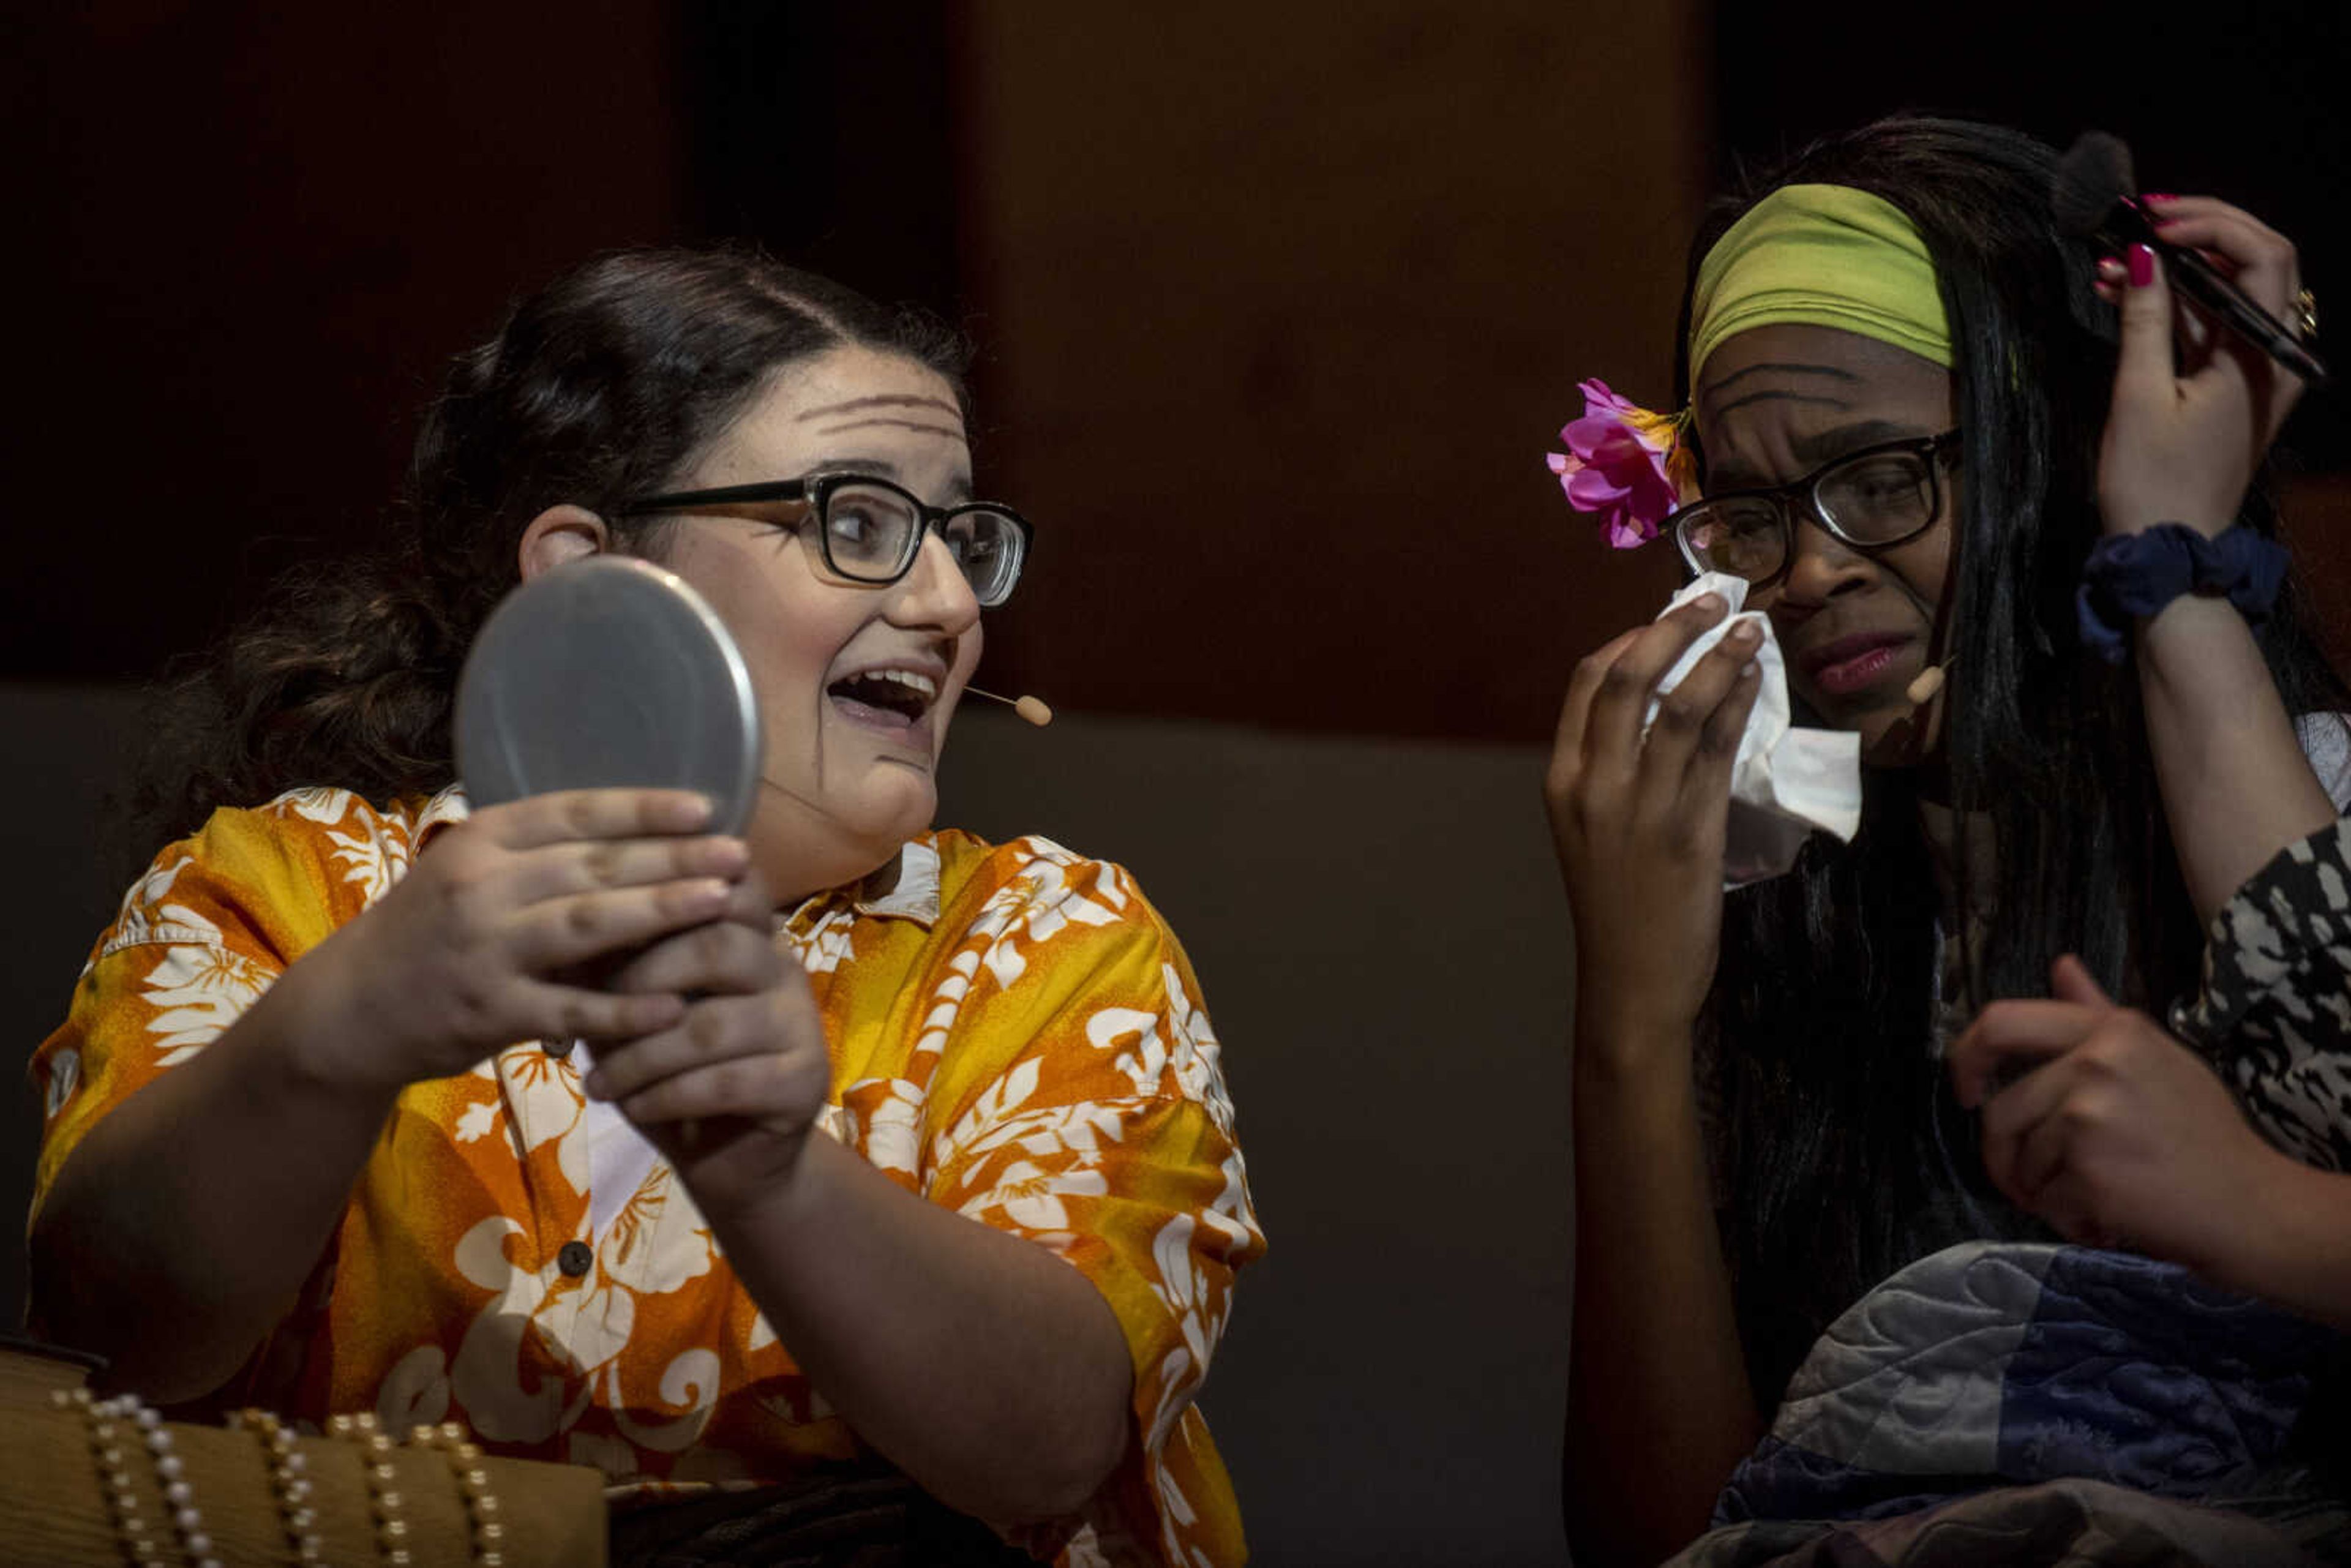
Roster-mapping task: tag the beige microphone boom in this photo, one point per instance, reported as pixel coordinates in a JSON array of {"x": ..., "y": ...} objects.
[{"x": 1034, "y": 709}]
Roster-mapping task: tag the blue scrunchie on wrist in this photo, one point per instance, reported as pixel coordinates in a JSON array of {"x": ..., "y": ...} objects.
[{"x": 2129, "y": 576}]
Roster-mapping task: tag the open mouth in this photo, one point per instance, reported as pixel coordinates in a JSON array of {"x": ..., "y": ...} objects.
[{"x": 893, "y": 699}]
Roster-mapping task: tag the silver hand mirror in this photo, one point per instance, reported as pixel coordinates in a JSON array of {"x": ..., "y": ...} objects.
[{"x": 605, "y": 672}]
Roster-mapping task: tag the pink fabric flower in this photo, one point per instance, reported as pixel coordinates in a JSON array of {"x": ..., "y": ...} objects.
[{"x": 1623, "y": 464}]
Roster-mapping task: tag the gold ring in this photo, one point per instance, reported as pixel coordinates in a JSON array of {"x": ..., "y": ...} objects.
[{"x": 2305, "y": 316}]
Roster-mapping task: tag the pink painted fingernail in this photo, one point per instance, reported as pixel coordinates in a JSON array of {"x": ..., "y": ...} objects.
[
  {"x": 2158, "y": 197},
  {"x": 2142, "y": 265}
]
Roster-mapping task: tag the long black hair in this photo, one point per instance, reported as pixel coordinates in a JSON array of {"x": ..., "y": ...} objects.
[
  {"x": 1841, "y": 1153},
  {"x": 605, "y": 384}
]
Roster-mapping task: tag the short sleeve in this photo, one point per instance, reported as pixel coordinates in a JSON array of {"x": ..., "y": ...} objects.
[
  {"x": 214, "y": 920},
  {"x": 2273, "y": 1014},
  {"x": 1103, "y": 1132}
]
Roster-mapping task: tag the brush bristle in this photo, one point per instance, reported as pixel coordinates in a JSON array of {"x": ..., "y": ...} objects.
[{"x": 2094, "y": 175}]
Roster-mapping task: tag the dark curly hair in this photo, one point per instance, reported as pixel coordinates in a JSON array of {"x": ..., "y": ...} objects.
[{"x": 603, "y": 385}]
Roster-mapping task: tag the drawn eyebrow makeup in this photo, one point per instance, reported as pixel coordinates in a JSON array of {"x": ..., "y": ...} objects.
[
  {"x": 950, "y": 431},
  {"x": 1716, "y": 409},
  {"x": 901, "y": 411},
  {"x": 1784, "y": 366},
  {"x": 883, "y": 400}
]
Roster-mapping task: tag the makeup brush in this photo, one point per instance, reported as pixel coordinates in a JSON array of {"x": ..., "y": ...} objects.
[{"x": 2093, "y": 196}]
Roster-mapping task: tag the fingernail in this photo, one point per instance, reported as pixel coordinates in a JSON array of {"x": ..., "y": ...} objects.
[
  {"x": 2142, "y": 265},
  {"x": 1710, "y": 602},
  {"x": 595, "y": 1085},
  {"x": 1746, "y": 635},
  {"x": 2112, "y": 264},
  {"x": 707, "y": 890},
  {"x": 2158, "y": 197}
]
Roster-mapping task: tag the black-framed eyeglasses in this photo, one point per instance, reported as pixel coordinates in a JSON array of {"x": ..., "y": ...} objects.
[
  {"x": 1870, "y": 499},
  {"x": 870, "y": 530}
]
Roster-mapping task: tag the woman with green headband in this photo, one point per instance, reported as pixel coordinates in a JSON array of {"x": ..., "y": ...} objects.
[{"x": 1911, "y": 425}]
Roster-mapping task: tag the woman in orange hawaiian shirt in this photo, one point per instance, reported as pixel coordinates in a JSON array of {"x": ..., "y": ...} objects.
[{"x": 294, "y": 1154}]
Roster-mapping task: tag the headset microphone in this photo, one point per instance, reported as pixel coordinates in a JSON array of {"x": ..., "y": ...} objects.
[
  {"x": 1034, "y": 709},
  {"x": 1928, "y": 681}
]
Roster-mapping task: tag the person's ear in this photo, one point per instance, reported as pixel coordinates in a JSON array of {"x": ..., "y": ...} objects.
[{"x": 559, "y": 534}]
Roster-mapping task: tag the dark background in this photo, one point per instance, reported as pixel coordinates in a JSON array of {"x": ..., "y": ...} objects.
[
  {"x": 1277, "y": 310},
  {"x": 247, "y": 239}
]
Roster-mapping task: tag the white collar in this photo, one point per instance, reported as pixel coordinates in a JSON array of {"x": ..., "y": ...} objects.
[{"x": 914, "y": 895}]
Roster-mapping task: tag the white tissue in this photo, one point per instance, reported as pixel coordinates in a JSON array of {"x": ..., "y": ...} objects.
[{"x": 1789, "y": 779}]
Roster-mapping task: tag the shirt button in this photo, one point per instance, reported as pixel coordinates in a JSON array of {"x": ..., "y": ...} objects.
[{"x": 574, "y": 1259}]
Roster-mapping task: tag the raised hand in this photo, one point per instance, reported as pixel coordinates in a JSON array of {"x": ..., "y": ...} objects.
[
  {"x": 2195, "y": 406},
  {"x": 728, "y": 1089},
  {"x": 1638, "y": 820},
  {"x": 494, "y": 935}
]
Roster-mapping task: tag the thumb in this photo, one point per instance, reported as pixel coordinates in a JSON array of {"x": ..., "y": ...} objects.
[
  {"x": 2145, "y": 365},
  {"x": 2069, "y": 981}
]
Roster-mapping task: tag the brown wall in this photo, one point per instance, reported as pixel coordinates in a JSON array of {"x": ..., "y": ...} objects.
[
  {"x": 1282, "y": 307},
  {"x": 253, "y": 235}
]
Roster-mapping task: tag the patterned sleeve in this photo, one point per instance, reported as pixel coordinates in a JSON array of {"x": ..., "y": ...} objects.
[
  {"x": 209, "y": 927},
  {"x": 2274, "y": 1013},
  {"x": 1098, "y": 1125}
]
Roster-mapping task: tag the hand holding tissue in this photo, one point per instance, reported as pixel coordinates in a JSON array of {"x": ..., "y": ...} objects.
[{"x": 1788, "y": 779}]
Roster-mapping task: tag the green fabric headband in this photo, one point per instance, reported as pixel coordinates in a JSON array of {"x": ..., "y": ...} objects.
[{"x": 1824, "y": 255}]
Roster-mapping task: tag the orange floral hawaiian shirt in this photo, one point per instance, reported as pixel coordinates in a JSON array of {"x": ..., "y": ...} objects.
[{"x": 1015, "y": 1034}]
